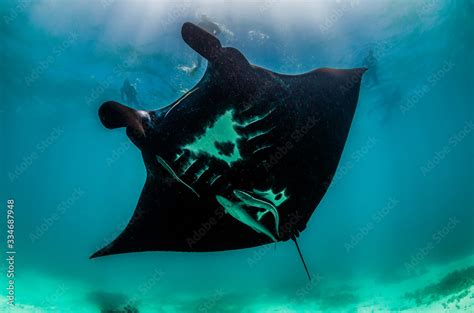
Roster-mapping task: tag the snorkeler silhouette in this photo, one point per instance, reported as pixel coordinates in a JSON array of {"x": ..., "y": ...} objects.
[
  {"x": 384, "y": 107},
  {"x": 129, "y": 93},
  {"x": 212, "y": 28},
  {"x": 370, "y": 62}
]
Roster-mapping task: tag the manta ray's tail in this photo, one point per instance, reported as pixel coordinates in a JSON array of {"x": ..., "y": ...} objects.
[{"x": 301, "y": 256}]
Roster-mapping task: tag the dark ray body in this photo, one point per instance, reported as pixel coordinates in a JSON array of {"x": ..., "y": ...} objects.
[{"x": 244, "y": 145}]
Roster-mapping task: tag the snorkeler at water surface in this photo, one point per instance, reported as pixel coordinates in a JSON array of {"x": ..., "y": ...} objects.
[
  {"x": 129, "y": 93},
  {"x": 370, "y": 61}
]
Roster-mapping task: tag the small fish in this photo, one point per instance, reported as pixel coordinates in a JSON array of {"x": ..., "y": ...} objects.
[
  {"x": 251, "y": 201},
  {"x": 238, "y": 212}
]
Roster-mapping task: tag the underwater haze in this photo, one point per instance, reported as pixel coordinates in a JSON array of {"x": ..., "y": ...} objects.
[{"x": 394, "y": 232}]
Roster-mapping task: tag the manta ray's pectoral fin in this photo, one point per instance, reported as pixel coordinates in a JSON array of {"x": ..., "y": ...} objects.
[
  {"x": 229, "y": 62},
  {"x": 201, "y": 41}
]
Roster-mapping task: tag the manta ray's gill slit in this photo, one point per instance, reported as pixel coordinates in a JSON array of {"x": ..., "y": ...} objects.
[
  {"x": 260, "y": 133},
  {"x": 256, "y": 118},
  {"x": 262, "y": 148},
  {"x": 201, "y": 172},
  {"x": 168, "y": 168},
  {"x": 247, "y": 107},
  {"x": 214, "y": 179},
  {"x": 188, "y": 165},
  {"x": 220, "y": 133}
]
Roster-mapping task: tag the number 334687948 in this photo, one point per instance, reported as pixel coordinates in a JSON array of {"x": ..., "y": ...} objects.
[{"x": 10, "y": 223}]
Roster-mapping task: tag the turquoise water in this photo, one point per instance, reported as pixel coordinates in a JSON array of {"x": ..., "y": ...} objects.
[{"x": 395, "y": 231}]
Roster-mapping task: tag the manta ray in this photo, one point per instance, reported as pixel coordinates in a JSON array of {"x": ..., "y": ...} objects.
[{"x": 240, "y": 160}]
